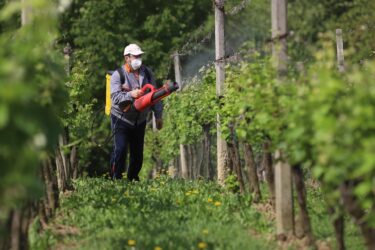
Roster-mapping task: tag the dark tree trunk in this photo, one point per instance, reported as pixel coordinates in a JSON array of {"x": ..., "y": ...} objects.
[
  {"x": 61, "y": 182},
  {"x": 19, "y": 220},
  {"x": 15, "y": 231},
  {"x": 268, "y": 168},
  {"x": 236, "y": 160},
  {"x": 202, "y": 163},
  {"x": 338, "y": 224},
  {"x": 184, "y": 161},
  {"x": 353, "y": 207},
  {"x": 64, "y": 160},
  {"x": 177, "y": 166},
  {"x": 194, "y": 161},
  {"x": 158, "y": 164},
  {"x": 252, "y": 172},
  {"x": 74, "y": 162},
  {"x": 51, "y": 190},
  {"x": 304, "y": 219},
  {"x": 239, "y": 169},
  {"x": 207, "y": 151},
  {"x": 231, "y": 169},
  {"x": 189, "y": 161},
  {"x": 200, "y": 159},
  {"x": 197, "y": 159}
]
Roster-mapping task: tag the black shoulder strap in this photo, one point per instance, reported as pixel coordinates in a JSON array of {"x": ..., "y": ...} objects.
[
  {"x": 148, "y": 74},
  {"x": 122, "y": 76}
]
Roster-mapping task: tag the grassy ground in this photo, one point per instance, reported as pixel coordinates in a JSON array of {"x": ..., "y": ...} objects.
[
  {"x": 169, "y": 214},
  {"x": 157, "y": 214},
  {"x": 322, "y": 225}
]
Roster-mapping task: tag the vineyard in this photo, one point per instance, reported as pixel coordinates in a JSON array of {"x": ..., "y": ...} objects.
[{"x": 268, "y": 143}]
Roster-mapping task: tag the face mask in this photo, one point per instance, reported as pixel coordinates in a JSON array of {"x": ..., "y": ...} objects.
[{"x": 136, "y": 63}]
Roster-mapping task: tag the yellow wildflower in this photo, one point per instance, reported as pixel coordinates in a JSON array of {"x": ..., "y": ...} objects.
[
  {"x": 209, "y": 200},
  {"x": 202, "y": 245},
  {"x": 157, "y": 248},
  {"x": 217, "y": 203},
  {"x": 131, "y": 242},
  {"x": 188, "y": 193}
]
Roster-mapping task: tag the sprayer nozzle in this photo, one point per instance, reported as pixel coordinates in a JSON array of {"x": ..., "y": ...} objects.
[{"x": 173, "y": 86}]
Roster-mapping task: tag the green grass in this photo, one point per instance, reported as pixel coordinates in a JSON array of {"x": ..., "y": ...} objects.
[
  {"x": 171, "y": 214},
  {"x": 322, "y": 223},
  {"x": 165, "y": 213}
]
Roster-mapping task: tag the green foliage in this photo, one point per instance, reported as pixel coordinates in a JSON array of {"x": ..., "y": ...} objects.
[
  {"x": 171, "y": 214},
  {"x": 186, "y": 113},
  {"x": 321, "y": 121},
  {"x": 98, "y": 32},
  {"x": 158, "y": 26},
  {"x": 10, "y": 23},
  {"x": 31, "y": 99},
  {"x": 343, "y": 132},
  {"x": 232, "y": 184},
  {"x": 321, "y": 222},
  {"x": 81, "y": 119},
  {"x": 309, "y": 18},
  {"x": 79, "y": 114},
  {"x": 162, "y": 27},
  {"x": 358, "y": 25}
]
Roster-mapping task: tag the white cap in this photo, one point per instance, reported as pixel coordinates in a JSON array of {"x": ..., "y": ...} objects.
[{"x": 133, "y": 49}]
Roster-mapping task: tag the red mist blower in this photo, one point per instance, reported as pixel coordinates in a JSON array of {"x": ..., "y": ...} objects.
[{"x": 150, "y": 96}]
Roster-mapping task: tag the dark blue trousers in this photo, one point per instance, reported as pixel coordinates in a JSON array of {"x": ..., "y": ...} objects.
[{"x": 127, "y": 138}]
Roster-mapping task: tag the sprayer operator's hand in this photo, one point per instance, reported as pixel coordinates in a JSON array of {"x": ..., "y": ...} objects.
[{"x": 136, "y": 93}]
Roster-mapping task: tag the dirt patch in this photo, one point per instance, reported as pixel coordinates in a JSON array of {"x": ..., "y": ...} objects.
[
  {"x": 67, "y": 193},
  {"x": 288, "y": 242},
  {"x": 285, "y": 242},
  {"x": 70, "y": 245},
  {"x": 63, "y": 230},
  {"x": 266, "y": 209},
  {"x": 312, "y": 183}
]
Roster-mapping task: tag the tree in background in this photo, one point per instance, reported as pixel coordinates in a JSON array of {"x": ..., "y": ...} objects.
[{"x": 308, "y": 19}]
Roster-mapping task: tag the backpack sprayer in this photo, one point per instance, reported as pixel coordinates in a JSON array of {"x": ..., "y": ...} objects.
[{"x": 150, "y": 95}]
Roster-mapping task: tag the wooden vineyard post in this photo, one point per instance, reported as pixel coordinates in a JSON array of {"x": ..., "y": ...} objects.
[
  {"x": 279, "y": 34},
  {"x": 283, "y": 176},
  {"x": 222, "y": 149},
  {"x": 177, "y": 69},
  {"x": 338, "y": 221},
  {"x": 340, "y": 51},
  {"x": 183, "y": 151},
  {"x": 25, "y": 13}
]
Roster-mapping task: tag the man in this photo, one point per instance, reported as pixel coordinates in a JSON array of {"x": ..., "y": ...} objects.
[{"x": 129, "y": 126}]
